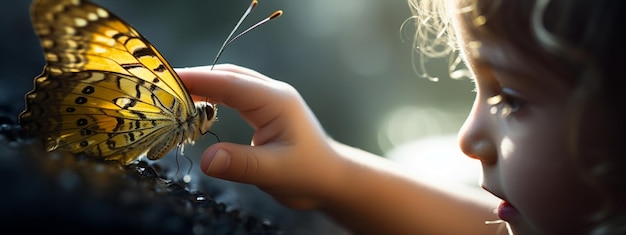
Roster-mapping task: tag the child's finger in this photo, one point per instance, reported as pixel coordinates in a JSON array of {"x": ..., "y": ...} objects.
[
  {"x": 240, "y": 163},
  {"x": 259, "y": 100}
]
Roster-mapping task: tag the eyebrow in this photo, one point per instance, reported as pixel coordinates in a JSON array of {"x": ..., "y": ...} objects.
[
  {"x": 521, "y": 69},
  {"x": 502, "y": 67}
]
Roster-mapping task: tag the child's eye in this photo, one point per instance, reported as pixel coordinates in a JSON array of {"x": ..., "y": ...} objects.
[{"x": 505, "y": 103}]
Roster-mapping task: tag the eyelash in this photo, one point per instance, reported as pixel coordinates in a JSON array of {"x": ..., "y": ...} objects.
[{"x": 505, "y": 103}]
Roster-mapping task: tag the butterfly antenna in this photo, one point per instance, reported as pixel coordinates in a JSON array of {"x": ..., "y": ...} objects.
[
  {"x": 230, "y": 37},
  {"x": 253, "y": 4},
  {"x": 272, "y": 16}
]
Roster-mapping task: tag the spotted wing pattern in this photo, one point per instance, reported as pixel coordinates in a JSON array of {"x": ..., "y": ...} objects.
[{"x": 105, "y": 91}]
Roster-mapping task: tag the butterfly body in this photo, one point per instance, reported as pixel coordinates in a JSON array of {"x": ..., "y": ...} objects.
[{"x": 105, "y": 91}]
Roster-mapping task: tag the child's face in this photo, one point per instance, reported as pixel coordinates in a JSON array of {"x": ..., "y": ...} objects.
[{"x": 518, "y": 128}]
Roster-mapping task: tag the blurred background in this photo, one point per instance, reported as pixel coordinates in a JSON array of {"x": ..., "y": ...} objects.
[{"x": 350, "y": 60}]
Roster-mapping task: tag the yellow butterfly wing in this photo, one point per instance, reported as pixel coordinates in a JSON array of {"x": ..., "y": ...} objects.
[
  {"x": 105, "y": 91},
  {"x": 79, "y": 35}
]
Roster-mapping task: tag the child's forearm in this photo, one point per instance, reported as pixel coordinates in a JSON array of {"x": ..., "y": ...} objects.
[{"x": 374, "y": 198}]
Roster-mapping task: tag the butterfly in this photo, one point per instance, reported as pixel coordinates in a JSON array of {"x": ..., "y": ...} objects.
[{"x": 105, "y": 91}]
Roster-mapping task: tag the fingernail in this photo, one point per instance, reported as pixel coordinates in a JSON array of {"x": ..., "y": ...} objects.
[{"x": 215, "y": 162}]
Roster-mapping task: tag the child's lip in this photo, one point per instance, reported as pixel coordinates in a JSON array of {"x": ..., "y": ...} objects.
[{"x": 507, "y": 211}]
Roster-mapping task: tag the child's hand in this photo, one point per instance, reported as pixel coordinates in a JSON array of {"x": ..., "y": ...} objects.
[
  {"x": 292, "y": 158},
  {"x": 289, "y": 156}
]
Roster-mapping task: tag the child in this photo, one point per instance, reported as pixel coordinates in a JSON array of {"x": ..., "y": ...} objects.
[{"x": 543, "y": 125}]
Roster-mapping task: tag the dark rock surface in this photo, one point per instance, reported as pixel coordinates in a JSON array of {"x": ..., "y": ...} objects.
[
  {"x": 45, "y": 192},
  {"x": 54, "y": 192}
]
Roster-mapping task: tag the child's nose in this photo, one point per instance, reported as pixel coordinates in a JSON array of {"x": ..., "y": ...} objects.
[{"x": 474, "y": 138}]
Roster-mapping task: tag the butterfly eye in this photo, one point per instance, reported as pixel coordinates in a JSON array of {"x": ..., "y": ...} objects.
[{"x": 209, "y": 110}]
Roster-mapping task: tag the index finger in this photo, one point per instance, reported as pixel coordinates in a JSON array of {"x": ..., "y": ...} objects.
[{"x": 258, "y": 98}]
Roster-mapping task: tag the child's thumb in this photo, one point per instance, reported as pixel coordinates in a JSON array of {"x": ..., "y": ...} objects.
[{"x": 234, "y": 162}]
